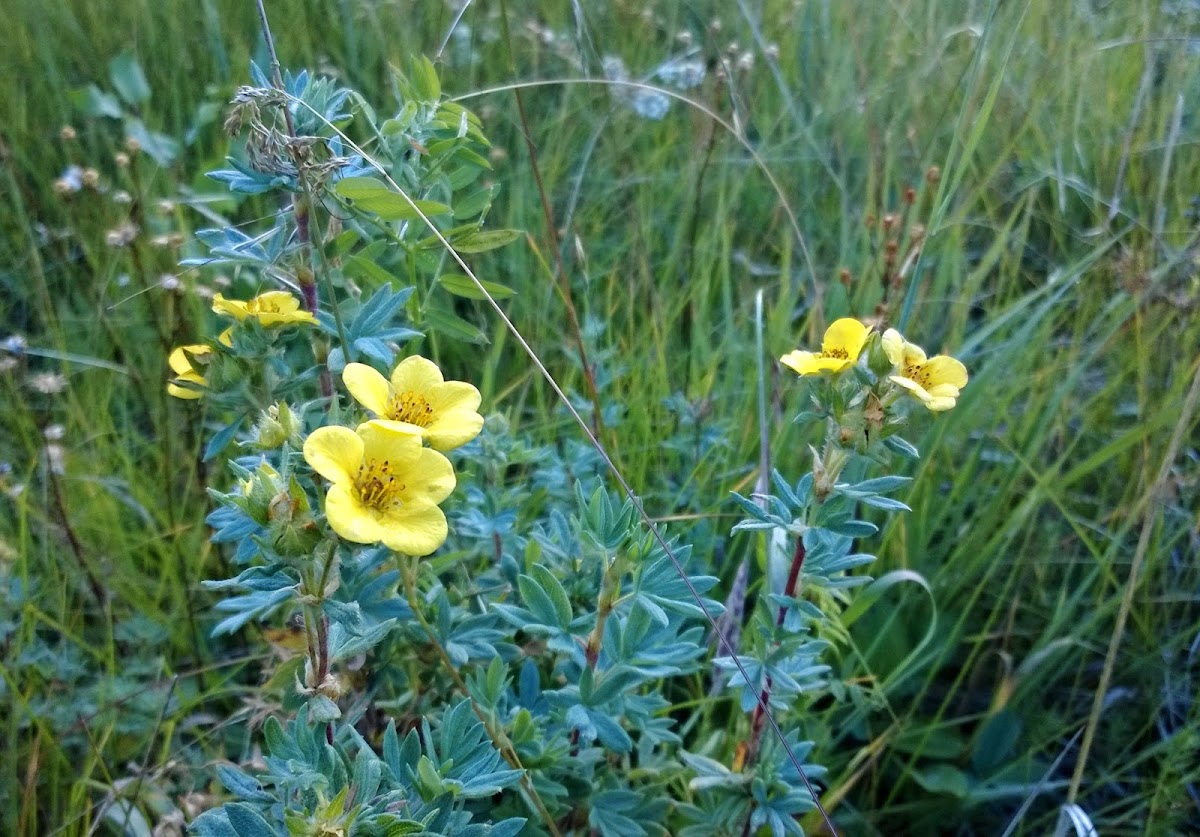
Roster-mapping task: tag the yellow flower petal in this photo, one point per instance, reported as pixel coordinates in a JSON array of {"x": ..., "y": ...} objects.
[
  {"x": 416, "y": 529},
  {"x": 390, "y": 441},
  {"x": 939, "y": 405},
  {"x": 279, "y": 308},
  {"x": 416, "y": 374},
  {"x": 350, "y": 518},
  {"x": 912, "y": 386},
  {"x": 433, "y": 476},
  {"x": 893, "y": 346},
  {"x": 368, "y": 387},
  {"x": 182, "y": 361},
  {"x": 843, "y": 343},
  {"x": 456, "y": 421},
  {"x": 454, "y": 396},
  {"x": 277, "y": 302},
  {"x": 386, "y": 488},
  {"x": 230, "y": 307},
  {"x": 181, "y": 392},
  {"x": 845, "y": 335},
  {"x": 272, "y": 308},
  {"x": 335, "y": 453},
  {"x": 944, "y": 391},
  {"x": 800, "y": 362},
  {"x": 179, "y": 361},
  {"x": 945, "y": 370}
]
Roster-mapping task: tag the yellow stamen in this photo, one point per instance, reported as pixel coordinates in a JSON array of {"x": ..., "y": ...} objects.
[
  {"x": 916, "y": 372},
  {"x": 377, "y": 487},
  {"x": 411, "y": 407}
]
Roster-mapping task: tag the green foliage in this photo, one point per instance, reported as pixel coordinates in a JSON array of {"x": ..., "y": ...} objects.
[{"x": 1059, "y": 269}]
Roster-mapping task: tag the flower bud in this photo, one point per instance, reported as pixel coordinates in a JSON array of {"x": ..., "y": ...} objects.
[
  {"x": 277, "y": 425},
  {"x": 877, "y": 359}
]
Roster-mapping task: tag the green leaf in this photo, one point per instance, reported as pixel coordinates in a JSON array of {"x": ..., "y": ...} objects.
[
  {"x": 93, "y": 102},
  {"x": 484, "y": 240},
  {"x": 943, "y": 778},
  {"x": 554, "y": 590},
  {"x": 370, "y": 195},
  {"x": 247, "y": 822},
  {"x": 537, "y": 600},
  {"x": 242, "y": 784},
  {"x": 129, "y": 80},
  {"x": 220, "y": 441},
  {"x": 464, "y": 286},
  {"x": 425, "y": 79},
  {"x": 454, "y": 327},
  {"x": 364, "y": 269},
  {"x": 930, "y": 743}
]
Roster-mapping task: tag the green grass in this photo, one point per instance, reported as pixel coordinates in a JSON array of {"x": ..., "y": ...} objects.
[{"x": 1080, "y": 333}]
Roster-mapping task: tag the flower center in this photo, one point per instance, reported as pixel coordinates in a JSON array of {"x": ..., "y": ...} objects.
[
  {"x": 411, "y": 407},
  {"x": 258, "y": 306},
  {"x": 377, "y": 486},
  {"x": 916, "y": 372},
  {"x": 836, "y": 352}
]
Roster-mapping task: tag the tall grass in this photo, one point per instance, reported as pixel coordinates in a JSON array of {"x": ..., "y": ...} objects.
[{"x": 1058, "y": 263}]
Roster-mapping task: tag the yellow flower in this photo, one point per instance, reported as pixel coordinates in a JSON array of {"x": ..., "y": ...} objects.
[
  {"x": 181, "y": 361},
  {"x": 444, "y": 412},
  {"x": 843, "y": 343},
  {"x": 274, "y": 308},
  {"x": 936, "y": 381},
  {"x": 386, "y": 485}
]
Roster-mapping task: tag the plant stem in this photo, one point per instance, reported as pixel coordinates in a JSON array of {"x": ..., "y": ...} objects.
[
  {"x": 610, "y": 591},
  {"x": 758, "y": 722},
  {"x": 408, "y": 572},
  {"x": 301, "y": 205},
  {"x": 759, "y": 719}
]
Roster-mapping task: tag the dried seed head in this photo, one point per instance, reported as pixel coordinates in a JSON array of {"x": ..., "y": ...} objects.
[
  {"x": 47, "y": 383},
  {"x": 121, "y": 159},
  {"x": 933, "y": 175},
  {"x": 90, "y": 178},
  {"x": 66, "y": 133}
]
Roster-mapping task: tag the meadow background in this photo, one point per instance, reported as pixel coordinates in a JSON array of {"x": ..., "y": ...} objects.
[{"x": 1058, "y": 261}]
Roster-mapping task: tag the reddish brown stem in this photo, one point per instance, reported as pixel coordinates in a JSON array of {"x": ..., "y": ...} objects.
[{"x": 760, "y": 711}]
